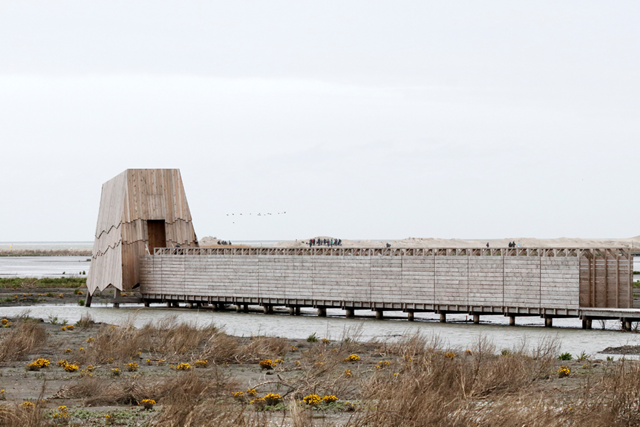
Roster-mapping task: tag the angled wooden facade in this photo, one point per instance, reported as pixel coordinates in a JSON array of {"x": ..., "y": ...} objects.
[{"x": 140, "y": 210}]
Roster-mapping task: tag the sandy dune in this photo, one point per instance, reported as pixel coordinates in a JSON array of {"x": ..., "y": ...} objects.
[{"x": 527, "y": 242}]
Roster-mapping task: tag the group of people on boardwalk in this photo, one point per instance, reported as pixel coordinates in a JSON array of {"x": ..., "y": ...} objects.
[
  {"x": 224, "y": 242},
  {"x": 325, "y": 242},
  {"x": 513, "y": 245}
]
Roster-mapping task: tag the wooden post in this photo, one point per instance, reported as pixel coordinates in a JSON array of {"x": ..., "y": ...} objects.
[
  {"x": 606, "y": 278},
  {"x": 146, "y": 303},
  {"x": 350, "y": 313},
  {"x": 322, "y": 312},
  {"x": 594, "y": 280},
  {"x": 116, "y": 295},
  {"x": 245, "y": 308},
  {"x": 176, "y": 304},
  {"x": 617, "y": 279},
  {"x": 410, "y": 316},
  {"x": 292, "y": 310},
  {"x": 267, "y": 309},
  {"x": 512, "y": 320},
  {"x": 168, "y": 304},
  {"x": 87, "y": 301},
  {"x": 548, "y": 322},
  {"x": 379, "y": 314},
  {"x": 443, "y": 317},
  {"x": 586, "y": 323},
  {"x": 297, "y": 311},
  {"x": 476, "y": 318}
]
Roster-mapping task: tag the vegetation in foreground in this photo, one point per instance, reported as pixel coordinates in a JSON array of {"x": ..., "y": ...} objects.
[
  {"x": 174, "y": 374},
  {"x": 46, "y": 282},
  {"x": 45, "y": 252}
]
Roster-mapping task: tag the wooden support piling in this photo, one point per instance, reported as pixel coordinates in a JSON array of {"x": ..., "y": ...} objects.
[
  {"x": 512, "y": 320},
  {"x": 443, "y": 317},
  {"x": 410, "y": 316},
  {"x": 379, "y": 314},
  {"x": 350, "y": 312},
  {"x": 476, "y": 318}
]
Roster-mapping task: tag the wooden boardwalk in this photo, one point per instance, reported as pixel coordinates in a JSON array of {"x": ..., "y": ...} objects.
[{"x": 513, "y": 282}]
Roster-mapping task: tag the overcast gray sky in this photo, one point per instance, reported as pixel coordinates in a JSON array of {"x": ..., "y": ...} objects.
[{"x": 360, "y": 119}]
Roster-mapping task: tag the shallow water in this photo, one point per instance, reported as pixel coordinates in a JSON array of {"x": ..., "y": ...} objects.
[
  {"x": 457, "y": 333},
  {"x": 44, "y": 266}
]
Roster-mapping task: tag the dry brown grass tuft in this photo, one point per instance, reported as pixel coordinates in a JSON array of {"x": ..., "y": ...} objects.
[
  {"x": 262, "y": 348},
  {"x": 86, "y": 321},
  {"x": 14, "y": 415},
  {"x": 21, "y": 340},
  {"x": 220, "y": 348},
  {"x": 169, "y": 336},
  {"x": 448, "y": 387},
  {"x": 614, "y": 400},
  {"x": 121, "y": 343},
  {"x": 190, "y": 400},
  {"x": 113, "y": 342},
  {"x": 100, "y": 391},
  {"x": 19, "y": 415}
]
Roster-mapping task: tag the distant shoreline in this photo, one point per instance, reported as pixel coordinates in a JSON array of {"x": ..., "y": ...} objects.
[{"x": 44, "y": 252}]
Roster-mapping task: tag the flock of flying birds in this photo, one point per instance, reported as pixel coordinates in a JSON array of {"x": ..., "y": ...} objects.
[{"x": 258, "y": 214}]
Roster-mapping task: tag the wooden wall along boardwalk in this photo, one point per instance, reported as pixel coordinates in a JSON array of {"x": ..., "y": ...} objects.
[
  {"x": 144, "y": 210},
  {"x": 533, "y": 281}
]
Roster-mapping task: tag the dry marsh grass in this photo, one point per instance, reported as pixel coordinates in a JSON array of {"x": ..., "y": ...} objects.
[
  {"x": 436, "y": 386},
  {"x": 26, "y": 414},
  {"x": 414, "y": 381},
  {"x": 174, "y": 341},
  {"x": 24, "y": 338}
]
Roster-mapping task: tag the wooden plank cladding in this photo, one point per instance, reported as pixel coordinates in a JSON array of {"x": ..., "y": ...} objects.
[
  {"x": 523, "y": 280},
  {"x": 134, "y": 206}
]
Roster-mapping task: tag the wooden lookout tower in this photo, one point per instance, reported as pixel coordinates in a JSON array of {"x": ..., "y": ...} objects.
[{"x": 140, "y": 210}]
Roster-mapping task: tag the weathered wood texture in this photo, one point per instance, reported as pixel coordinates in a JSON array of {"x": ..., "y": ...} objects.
[
  {"x": 128, "y": 201},
  {"x": 543, "y": 279},
  {"x": 606, "y": 279}
]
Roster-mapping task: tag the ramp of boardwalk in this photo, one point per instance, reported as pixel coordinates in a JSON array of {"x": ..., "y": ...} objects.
[{"x": 518, "y": 281}]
